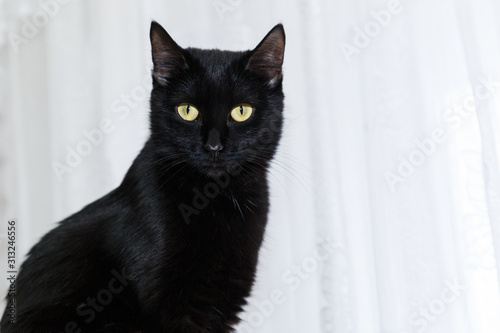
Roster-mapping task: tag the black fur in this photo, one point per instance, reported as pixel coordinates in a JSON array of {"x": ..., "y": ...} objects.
[{"x": 155, "y": 254}]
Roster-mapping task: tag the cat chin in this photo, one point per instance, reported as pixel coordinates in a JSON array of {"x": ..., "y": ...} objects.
[
  {"x": 222, "y": 170},
  {"x": 215, "y": 171}
]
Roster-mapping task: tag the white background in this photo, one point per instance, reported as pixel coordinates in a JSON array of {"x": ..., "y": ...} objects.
[{"x": 368, "y": 85}]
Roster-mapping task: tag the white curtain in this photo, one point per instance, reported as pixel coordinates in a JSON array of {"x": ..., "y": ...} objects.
[{"x": 386, "y": 190}]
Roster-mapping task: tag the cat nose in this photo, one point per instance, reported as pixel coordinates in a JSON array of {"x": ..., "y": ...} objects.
[
  {"x": 213, "y": 149},
  {"x": 213, "y": 144}
]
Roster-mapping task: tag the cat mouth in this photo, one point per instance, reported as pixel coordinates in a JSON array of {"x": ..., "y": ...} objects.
[
  {"x": 216, "y": 166},
  {"x": 215, "y": 172},
  {"x": 214, "y": 161},
  {"x": 216, "y": 169},
  {"x": 211, "y": 164}
]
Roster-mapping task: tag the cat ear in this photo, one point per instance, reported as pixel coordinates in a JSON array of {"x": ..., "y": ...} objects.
[
  {"x": 266, "y": 59},
  {"x": 167, "y": 55}
]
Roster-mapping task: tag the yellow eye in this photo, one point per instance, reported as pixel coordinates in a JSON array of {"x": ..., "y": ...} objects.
[
  {"x": 187, "y": 111},
  {"x": 241, "y": 112}
]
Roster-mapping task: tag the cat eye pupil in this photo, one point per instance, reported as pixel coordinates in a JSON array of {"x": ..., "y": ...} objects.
[
  {"x": 187, "y": 112},
  {"x": 241, "y": 112}
]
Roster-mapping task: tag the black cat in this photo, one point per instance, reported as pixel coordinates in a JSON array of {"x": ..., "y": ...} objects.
[{"x": 174, "y": 248}]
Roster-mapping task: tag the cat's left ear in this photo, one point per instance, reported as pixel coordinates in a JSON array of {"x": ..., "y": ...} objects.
[
  {"x": 266, "y": 59},
  {"x": 168, "y": 57}
]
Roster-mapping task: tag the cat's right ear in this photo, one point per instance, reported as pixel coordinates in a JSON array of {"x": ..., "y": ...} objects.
[{"x": 168, "y": 57}]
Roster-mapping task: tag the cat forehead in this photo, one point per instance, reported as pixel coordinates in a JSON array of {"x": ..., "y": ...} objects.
[{"x": 215, "y": 62}]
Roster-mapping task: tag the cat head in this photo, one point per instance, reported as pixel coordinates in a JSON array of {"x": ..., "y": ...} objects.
[{"x": 216, "y": 110}]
